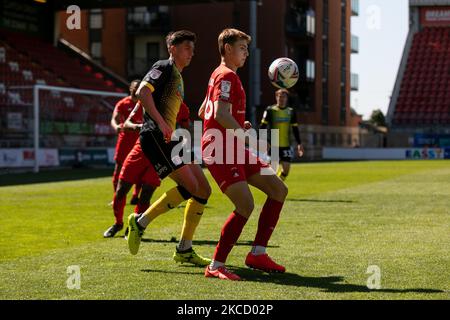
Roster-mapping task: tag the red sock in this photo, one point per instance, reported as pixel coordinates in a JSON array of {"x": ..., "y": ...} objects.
[
  {"x": 267, "y": 221},
  {"x": 115, "y": 179},
  {"x": 118, "y": 207},
  {"x": 231, "y": 231},
  {"x": 137, "y": 189},
  {"x": 141, "y": 207}
]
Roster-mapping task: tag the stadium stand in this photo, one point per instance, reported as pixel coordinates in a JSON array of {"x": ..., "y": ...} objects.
[
  {"x": 424, "y": 97},
  {"x": 26, "y": 61}
]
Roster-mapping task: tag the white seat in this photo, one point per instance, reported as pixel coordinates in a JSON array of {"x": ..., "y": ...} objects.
[
  {"x": 27, "y": 75},
  {"x": 14, "y": 98},
  {"x": 14, "y": 66}
]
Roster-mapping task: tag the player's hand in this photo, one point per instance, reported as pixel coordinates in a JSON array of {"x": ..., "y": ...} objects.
[
  {"x": 138, "y": 127},
  {"x": 300, "y": 150},
  {"x": 247, "y": 125},
  {"x": 119, "y": 128},
  {"x": 166, "y": 131}
]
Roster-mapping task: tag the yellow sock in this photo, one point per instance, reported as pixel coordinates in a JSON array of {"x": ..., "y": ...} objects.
[
  {"x": 169, "y": 200},
  {"x": 280, "y": 173},
  {"x": 192, "y": 215}
]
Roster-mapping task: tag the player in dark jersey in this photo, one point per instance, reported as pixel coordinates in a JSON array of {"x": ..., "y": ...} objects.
[
  {"x": 126, "y": 138},
  {"x": 137, "y": 170},
  {"x": 224, "y": 111},
  {"x": 283, "y": 118},
  {"x": 161, "y": 93}
]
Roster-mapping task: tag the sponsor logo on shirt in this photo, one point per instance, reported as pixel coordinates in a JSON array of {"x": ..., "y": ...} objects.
[
  {"x": 155, "y": 74},
  {"x": 225, "y": 88}
]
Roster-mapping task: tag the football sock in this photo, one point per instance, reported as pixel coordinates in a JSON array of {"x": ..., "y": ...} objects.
[
  {"x": 118, "y": 207},
  {"x": 192, "y": 215},
  {"x": 137, "y": 189},
  {"x": 214, "y": 265},
  {"x": 141, "y": 207},
  {"x": 184, "y": 245},
  {"x": 267, "y": 221},
  {"x": 115, "y": 178},
  {"x": 258, "y": 250},
  {"x": 169, "y": 200},
  {"x": 280, "y": 174},
  {"x": 231, "y": 231}
]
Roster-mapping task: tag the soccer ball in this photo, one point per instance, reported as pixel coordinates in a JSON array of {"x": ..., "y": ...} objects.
[{"x": 283, "y": 73}]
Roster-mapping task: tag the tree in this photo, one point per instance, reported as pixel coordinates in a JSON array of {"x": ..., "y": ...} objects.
[{"x": 377, "y": 118}]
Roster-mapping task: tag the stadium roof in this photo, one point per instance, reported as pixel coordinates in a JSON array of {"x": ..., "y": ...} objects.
[{"x": 91, "y": 4}]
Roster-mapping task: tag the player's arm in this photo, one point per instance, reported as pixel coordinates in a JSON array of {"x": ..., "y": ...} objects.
[
  {"x": 201, "y": 110},
  {"x": 129, "y": 125},
  {"x": 222, "y": 114},
  {"x": 296, "y": 131},
  {"x": 155, "y": 80},
  {"x": 115, "y": 120},
  {"x": 144, "y": 94}
]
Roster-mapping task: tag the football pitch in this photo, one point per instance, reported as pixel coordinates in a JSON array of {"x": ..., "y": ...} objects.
[{"x": 339, "y": 219}]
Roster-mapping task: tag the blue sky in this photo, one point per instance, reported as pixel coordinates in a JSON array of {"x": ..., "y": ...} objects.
[{"x": 382, "y": 27}]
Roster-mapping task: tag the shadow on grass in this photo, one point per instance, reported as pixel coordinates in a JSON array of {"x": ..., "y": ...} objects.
[
  {"x": 200, "y": 242},
  {"x": 54, "y": 175},
  {"x": 317, "y": 200},
  {"x": 327, "y": 284}
]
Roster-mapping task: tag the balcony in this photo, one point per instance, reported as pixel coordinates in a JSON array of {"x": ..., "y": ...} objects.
[
  {"x": 355, "y": 8},
  {"x": 146, "y": 21},
  {"x": 355, "y": 44},
  {"x": 354, "y": 82},
  {"x": 300, "y": 24}
]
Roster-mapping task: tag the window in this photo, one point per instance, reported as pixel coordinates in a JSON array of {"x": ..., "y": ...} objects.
[
  {"x": 95, "y": 19},
  {"x": 96, "y": 50},
  {"x": 310, "y": 70},
  {"x": 152, "y": 53}
]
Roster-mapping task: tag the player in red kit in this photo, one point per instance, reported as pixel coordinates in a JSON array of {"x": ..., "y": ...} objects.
[
  {"x": 224, "y": 108},
  {"x": 126, "y": 138}
]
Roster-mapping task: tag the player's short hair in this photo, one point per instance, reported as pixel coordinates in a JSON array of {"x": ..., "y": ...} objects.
[
  {"x": 230, "y": 36},
  {"x": 280, "y": 91},
  {"x": 177, "y": 37},
  {"x": 134, "y": 85}
]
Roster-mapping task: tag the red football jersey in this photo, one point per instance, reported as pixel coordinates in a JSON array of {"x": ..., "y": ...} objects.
[
  {"x": 126, "y": 140},
  {"x": 226, "y": 86}
]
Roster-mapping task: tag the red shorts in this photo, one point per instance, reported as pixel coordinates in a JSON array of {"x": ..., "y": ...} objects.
[
  {"x": 138, "y": 169},
  {"x": 125, "y": 144},
  {"x": 228, "y": 174},
  {"x": 122, "y": 152}
]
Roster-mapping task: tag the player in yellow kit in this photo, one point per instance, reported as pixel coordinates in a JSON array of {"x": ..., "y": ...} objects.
[{"x": 283, "y": 118}]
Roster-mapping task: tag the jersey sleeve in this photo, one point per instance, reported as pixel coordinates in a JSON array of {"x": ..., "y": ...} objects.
[
  {"x": 158, "y": 75},
  {"x": 224, "y": 87}
]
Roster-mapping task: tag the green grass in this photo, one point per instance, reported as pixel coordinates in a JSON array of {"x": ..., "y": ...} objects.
[{"x": 339, "y": 219}]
